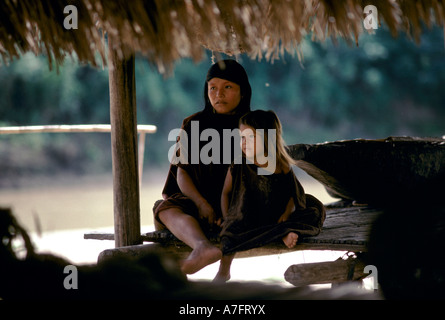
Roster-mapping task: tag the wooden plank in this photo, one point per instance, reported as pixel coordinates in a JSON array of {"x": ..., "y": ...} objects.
[
  {"x": 123, "y": 119},
  {"x": 64, "y": 128},
  {"x": 180, "y": 249},
  {"x": 345, "y": 229},
  {"x": 98, "y": 236}
]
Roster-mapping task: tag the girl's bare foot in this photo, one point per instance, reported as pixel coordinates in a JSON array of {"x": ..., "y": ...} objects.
[
  {"x": 221, "y": 277},
  {"x": 223, "y": 274},
  {"x": 290, "y": 240},
  {"x": 200, "y": 257}
]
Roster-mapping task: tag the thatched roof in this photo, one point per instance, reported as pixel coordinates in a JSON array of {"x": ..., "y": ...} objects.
[{"x": 167, "y": 30}]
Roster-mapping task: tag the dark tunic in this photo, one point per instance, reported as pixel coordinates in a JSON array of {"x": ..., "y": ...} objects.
[
  {"x": 256, "y": 204},
  {"x": 208, "y": 178}
]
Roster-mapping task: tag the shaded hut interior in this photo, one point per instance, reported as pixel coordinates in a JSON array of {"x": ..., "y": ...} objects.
[{"x": 112, "y": 33}]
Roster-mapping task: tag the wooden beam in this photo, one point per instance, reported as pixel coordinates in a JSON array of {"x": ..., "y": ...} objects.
[
  {"x": 181, "y": 250},
  {"x": 127, "y": 225},
  {"x": 325, "y": 272},
  {"x": 135, "y": 251}
]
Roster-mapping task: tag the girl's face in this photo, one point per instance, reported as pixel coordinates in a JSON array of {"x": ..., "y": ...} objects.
[
  {"x": 224, "y": 95},
  {"x": 252, "y": 144}
]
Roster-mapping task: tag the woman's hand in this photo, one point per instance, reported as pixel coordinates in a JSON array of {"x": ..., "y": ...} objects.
[{"x": 188, "y": 188}]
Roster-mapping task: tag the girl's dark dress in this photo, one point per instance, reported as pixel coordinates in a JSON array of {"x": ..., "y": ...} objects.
[{"x": 256, "y": 204}]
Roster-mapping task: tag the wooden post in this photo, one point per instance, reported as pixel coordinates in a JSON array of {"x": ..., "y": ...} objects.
[{"x": 127, "y": 225}]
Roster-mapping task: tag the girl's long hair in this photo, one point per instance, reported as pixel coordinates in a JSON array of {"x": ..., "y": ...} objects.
[{"x": 261, "y": 119}]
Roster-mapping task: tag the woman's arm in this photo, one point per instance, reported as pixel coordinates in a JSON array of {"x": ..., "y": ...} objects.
[
  {"x": 189, "y": 189},
  {"x": 225, "y": 195}
]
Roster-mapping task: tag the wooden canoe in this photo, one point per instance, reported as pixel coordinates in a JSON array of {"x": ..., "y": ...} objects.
[{"x": 377, "y": 172}]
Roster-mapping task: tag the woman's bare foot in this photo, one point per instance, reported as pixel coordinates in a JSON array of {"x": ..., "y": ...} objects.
[
  {"x": 200, "y": 257},
  {"x": 290, "y": 240}
]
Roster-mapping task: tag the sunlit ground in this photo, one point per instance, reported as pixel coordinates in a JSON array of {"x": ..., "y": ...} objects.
[{"x": 57, "y": 213}]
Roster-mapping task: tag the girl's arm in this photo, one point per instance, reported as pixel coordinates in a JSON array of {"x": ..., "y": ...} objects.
[
  {"x": 189, "y": 189},
  {"x": 287, "y": 212},
  {"x": 225, "y": 195}
]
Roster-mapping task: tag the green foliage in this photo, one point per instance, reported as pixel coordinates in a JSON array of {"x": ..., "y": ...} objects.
[{"x": 383, "y": 87}]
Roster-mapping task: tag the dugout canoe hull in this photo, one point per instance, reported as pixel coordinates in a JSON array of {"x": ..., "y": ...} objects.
[{"x": 377, "y": 172}]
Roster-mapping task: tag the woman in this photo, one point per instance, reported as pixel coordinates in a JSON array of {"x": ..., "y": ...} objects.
[{"x": 192, "y": 193}]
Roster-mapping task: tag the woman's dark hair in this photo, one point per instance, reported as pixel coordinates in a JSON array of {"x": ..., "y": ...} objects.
[{"x": 232, "y": 71}]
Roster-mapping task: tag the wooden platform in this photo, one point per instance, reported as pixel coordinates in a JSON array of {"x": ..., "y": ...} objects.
[{"x": 345, "y": 229}]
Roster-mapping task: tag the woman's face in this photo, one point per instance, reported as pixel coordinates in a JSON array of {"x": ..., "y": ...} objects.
[{"x": 224, "y": 95}]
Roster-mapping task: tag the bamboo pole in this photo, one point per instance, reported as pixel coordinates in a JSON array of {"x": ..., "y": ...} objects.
[
  {"x": 127, "y": 225},
  {"x": 142, "y": 130},
  {"x": 68, "y": 128},
  {"x": 141, "y": 150}
]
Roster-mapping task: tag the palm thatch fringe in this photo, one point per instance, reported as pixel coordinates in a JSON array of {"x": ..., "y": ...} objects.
[{"x": 167, "y": 30}]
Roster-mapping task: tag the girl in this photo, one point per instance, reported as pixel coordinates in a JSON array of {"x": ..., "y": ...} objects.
[{"x": 259, "y": 207}]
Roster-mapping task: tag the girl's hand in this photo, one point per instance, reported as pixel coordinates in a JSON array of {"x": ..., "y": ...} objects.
[
  {"x": 206, "y": 212},
  {"x": 219, "y": 222},
  {"x": 284, "y": 217},
  {"x": 289, "y": 209}
]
